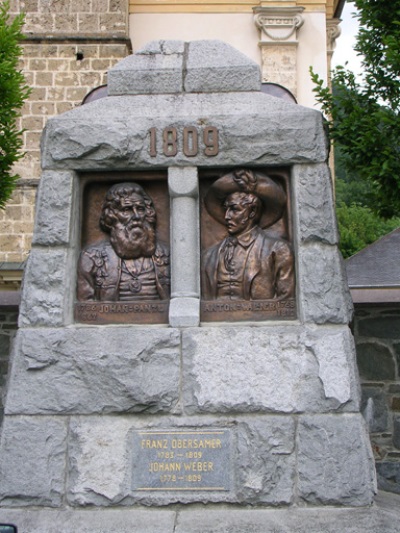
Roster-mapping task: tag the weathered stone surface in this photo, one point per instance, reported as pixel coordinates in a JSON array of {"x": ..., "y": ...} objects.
[
  {"x": 251, "y": 131},
  {"x": 184, "y": 312},
  {"x": 185, "y": 245},
  {"x": 388, "y": 474},
  {"x": 99, "y": 470},
  {"x": 287, "y": 370},
  {"x": 396, "y": 433},
  {"x": 112, "y": 484},
  {"x": 396, "y": 347},
  {"x": 382, "y": 517},
  {"x": 95, "y": 370},
  {"x": 262, "y": 461},
  {"x": 315, "y": 205},
  {"x": 322, "y": 285},
  {"x": 374, "y": 408},
  {"x": 4, "y": 344},
  {"x": 167, "y": 47},
  {"x": 375, "y": 362},
  {"x": 53, "y": 209},
  {"x": 163, "y": 67},
  {"x": 214, "y": 66},
  {"x": 266, "y": 448},
  {"x": 335, "y": 460},
  {"x": 151, "y": 70},
  {"x": 384, "y": 327},
  {"x": 46, "y": 288},
  {"x": 335, "y": 353},
  {"x": 90, "y": 521},
  {"x": 32, "y": 461}
]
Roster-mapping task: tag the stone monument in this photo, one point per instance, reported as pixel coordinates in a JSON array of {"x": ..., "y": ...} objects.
[{"x": 184, "y": 322}]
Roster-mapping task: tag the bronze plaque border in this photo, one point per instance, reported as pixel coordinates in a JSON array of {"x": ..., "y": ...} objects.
[
  {"x": 212, "y": 232},
  {"x": 93, "y": 186}
]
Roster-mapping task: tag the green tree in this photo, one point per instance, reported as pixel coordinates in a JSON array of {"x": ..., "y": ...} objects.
[
  {"x": 359, "y": 226},
  {"x": 13, "y": 93},
  {"x": 364, "y": 114}
]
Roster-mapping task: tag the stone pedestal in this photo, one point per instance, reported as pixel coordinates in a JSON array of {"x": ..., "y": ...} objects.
[{"x": 234, "y": 413}]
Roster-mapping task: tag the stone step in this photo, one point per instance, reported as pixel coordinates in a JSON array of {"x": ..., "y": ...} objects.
[{"x": 382, "y": 517}]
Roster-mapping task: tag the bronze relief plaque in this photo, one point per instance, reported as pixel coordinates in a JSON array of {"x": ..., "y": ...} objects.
[
  {"x": 123, "y": 271},
  {"x": 247, "y": 255}
]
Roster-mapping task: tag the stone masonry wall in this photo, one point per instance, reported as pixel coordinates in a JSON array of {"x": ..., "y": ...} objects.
[
  {"x": 16, "y": 223},
  {"x": 8, "y": 326},
  {"x": 377, "y": 333},
  {"x": 69, "y": 47},
  {"x": 378, "y": 355}
]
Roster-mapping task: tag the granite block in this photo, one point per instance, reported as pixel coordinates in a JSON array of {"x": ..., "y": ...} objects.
[
  {"x": 95, "y": 370},
  {"x": 33, "y": 461}
]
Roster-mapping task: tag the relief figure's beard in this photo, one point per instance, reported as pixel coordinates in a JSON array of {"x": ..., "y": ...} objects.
[{"x": 133, "y": 240}]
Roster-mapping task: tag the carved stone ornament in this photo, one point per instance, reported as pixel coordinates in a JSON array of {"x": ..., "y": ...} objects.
[
  {"x": 333, "y": 31},
  {"x": 251, "y": 263},
  {"x": 131, "y": 265},
  {"x": 278, "y": 24}
]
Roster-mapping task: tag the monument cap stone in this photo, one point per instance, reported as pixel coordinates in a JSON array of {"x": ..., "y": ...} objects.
[{"x": 164, "y": 67}]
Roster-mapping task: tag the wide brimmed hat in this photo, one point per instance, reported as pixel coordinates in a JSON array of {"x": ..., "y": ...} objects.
[{"x": 265, "y": 188}]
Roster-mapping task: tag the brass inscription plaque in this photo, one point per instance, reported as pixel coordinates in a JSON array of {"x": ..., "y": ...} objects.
[
  {"x": 249, "y": 310},
  {"x": 118, "y": 312},
  {"x": 182, "y": 460}
]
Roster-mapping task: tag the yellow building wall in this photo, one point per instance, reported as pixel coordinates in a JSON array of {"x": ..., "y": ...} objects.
[{"x": 225, "y": 6}]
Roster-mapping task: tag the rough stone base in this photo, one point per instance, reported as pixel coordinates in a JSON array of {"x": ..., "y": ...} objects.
[
  {"x": 382, "y": 517},
  {"x": 275, "y": 460}
]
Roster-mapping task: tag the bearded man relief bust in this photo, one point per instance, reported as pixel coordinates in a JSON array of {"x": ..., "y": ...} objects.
[{"x": 132, "y": 264}]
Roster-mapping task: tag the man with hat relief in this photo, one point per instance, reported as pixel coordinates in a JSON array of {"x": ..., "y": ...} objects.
[{"x": 249, "y": 264}]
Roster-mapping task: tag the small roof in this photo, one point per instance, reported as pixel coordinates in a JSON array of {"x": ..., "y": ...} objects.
[
  {"x": 374, "y": 273},
  {"x": 377, "y": 265}
]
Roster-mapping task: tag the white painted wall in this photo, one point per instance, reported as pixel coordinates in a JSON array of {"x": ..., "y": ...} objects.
[
  {"x": 311, "y": 52},
  {"x": 238, "y": 30}
]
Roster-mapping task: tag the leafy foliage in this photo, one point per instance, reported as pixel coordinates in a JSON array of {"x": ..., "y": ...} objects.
[
  {"x": 13, "y": 93},
  {"x": 364, "y": 115},
  {"x": 360, "y": 226}
]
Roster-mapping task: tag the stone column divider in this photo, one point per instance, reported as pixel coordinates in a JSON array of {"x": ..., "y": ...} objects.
[{"x": 185, "y": 247}]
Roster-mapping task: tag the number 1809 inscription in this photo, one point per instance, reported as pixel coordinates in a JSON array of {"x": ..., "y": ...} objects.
[{"x": 190, "y": 142}]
